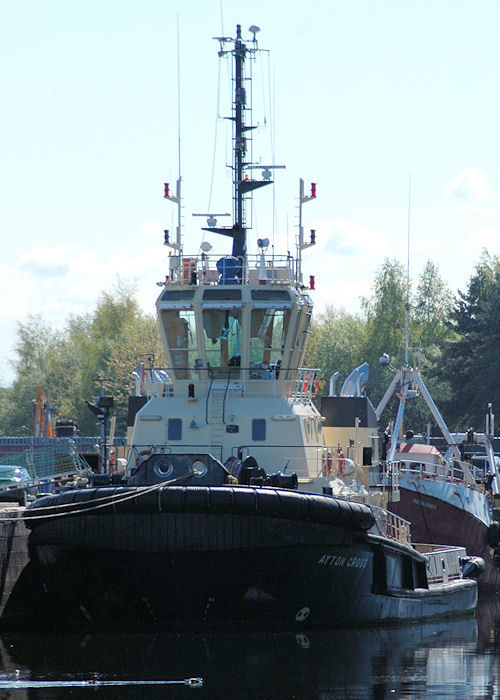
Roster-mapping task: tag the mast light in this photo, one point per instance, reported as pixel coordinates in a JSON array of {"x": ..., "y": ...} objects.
[
  {"x": 173, "y": 198},
  {"x": 307, "y": 198}
]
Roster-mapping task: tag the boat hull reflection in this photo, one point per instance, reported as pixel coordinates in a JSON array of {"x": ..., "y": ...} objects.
[{"x": 344, "y": 663}]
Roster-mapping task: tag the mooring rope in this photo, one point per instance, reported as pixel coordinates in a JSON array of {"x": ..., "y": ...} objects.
[{"x": 97, "y": 503}]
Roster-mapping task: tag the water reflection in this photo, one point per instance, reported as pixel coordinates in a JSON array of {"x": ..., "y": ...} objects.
[{"x": 448, "y": 659}]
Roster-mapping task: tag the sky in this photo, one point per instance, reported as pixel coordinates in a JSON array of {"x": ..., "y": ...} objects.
[{"x": 390, "y": 106}]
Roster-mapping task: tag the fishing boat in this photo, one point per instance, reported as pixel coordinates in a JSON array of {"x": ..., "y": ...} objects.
[
  {"x": 441, "y": 492},
  {"x": 445, "y": 496},
  {"x": 225, "y": 514}
]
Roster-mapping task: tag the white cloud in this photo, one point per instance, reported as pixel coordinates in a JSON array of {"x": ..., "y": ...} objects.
[
  {"x": 471, "y": 185},
  {"x": 339, "y": 289},
  {"x": 343, "y": 249},
  {"x": 59, "y": 281},
  {"x": 346, "y": 238},
  {"x": 39, "y": 264}
]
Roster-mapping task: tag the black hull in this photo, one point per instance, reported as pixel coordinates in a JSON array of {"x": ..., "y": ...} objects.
[
  {"x": 177, "y": 570},
  {"x": 437, "y": 521}
]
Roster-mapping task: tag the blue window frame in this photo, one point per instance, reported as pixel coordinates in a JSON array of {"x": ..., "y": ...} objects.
[
  {"x": 175, "y": 429},
  {"x": 258, "y": 429}
]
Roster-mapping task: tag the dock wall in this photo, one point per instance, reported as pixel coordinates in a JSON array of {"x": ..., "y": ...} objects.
[{"x": 13, "y": 551}]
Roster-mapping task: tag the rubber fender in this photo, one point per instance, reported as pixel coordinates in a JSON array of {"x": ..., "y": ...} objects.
[
  {"x": 472, "y": 567},
  {"x": 239, "y": 500},
  {"x": 493, "y": 535}
]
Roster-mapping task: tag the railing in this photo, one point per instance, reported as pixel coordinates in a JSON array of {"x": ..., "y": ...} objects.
[
  {"x": 392, "y": 526},
  {"x": 307, "y": 383},
  {"x": 84, "y": 445},
  {"x": 443, "y": 562},
  {"x": 306, "y": 461},
  {"x": 384, "y": 475},
  {"x": 159, "y": 382},
  {"x": 138, "y": 453},
  {"x": 457, "y": 472},
  {"x": 253, "y": 269}
]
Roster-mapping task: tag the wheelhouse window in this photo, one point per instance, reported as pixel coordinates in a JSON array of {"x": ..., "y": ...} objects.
[
  {"x": 222, "y": 339},
  {"x": 181, "y": 337},
  {"x": 268, "y": 331}
]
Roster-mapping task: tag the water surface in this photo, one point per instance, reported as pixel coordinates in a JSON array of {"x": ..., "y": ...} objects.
[{"x": 448, "y": 659}]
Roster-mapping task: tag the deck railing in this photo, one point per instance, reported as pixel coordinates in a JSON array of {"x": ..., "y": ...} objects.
[
  {"x": 252, "y": 269},
  {"x": 457, "y": 472},
  {"x": 392, "y": 526},
  {"x": 301, "y": 384}
]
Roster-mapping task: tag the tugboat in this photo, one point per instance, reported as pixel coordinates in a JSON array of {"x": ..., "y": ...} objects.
[{"x": 225, "y": 514}]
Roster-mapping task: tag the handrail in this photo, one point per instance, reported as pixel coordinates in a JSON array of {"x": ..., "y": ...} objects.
[
  {"x": 307, "y": 383},
  {"x": 454, "y": 471},
  {"x": 392, "y": 526},
  {"x": 191, "y": 270},
  {"x": 163, "y": 449},
  {"x": 301, "y": 382}
]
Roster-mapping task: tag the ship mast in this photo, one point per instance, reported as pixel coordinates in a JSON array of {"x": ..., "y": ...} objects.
[
  {"x": 242, "y": 184},
  {"x": 176, "y": 199}
]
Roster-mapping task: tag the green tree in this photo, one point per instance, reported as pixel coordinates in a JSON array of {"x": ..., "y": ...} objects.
[
  {"x": 336, "y": 343},
  {"x": 142, "y": 340},
  {"x": 94, "y": 336},
  {"x": 66, "y": 362},
  {"x": 386, "y": 317},
  {"x": 432, "y": 306},
  {"x": 471, "y": 362},
  {"x": 430, "y": 309},
  {"x": 386, "y": 311},
  {"x": 35, "y": 339}
]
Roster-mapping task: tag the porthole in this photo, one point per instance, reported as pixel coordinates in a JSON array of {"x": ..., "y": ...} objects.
[
  {"x": 163, "y": 468},
  {"x": 199, "y": 468}
]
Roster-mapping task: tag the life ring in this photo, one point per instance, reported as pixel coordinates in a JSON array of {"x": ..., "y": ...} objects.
[
  {"x": 306, "y": 382},
  {"x": 142, "y": 456},
  {"x": 316, "y": 386}
]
